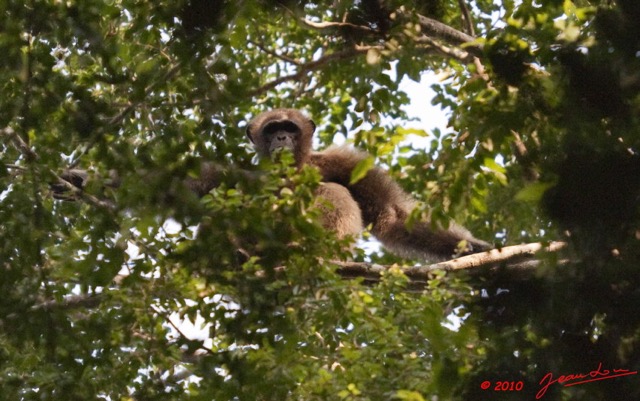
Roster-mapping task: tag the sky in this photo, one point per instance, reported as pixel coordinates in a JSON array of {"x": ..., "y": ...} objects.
[{"x": 421, "y": 94}]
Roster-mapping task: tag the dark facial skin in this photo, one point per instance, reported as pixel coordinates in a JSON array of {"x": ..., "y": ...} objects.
[
  {"x": 281, "y": 134},
  {"x": 282, "y": 128}
]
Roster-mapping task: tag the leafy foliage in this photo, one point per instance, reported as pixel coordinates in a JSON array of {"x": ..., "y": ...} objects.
[{"x": 542, "y": 143}]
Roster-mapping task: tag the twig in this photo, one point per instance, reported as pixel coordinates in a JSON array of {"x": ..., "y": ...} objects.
[
  {"x": 71, "y": 302},
  {"x": 306, "y": 68},
  {"x": 275, "y": 54},
  {"x": 75, "y": 191},
  {"x": 31, "y": 155},
  {"x": 19, "y": 143},
  {"x": 466, "y": 18},
  {"x": 445, "y": 50},
  {"x": 332, "y": 24}
]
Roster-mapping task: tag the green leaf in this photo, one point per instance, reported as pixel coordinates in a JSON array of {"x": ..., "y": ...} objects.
[
  {"x": 412, "y": 131},
  {"x": 533, "y": 192},
  {"x": 361, "y": 169},
  {"x": 407, "y": 395},
  {"x": 493, "y": 166},
  {"x": 497, "y": 170},
  {"x": 147, "y": 66}
]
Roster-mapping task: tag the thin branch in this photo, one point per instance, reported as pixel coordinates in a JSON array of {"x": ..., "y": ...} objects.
[
  {"x": 468, "y": 25},
  {"x": 71, "y": 191},
  {"x": 72, "y": 302},
  {"x": 31, "y": 155},
  {"x": 433, "y": 30},
  {"x": 331, "y": 24},
  {"x": 15, "y": 167},
  {"x": 520, "y": 152},
  {"x": 447, "y": 51},
  {"x": 306, "y": 68},
  {"x": 466, "y": 18},
  {"x": 19, "y": 143},
  {"x": 91, "y": 199},
  {"x": 275, "y": 54}
]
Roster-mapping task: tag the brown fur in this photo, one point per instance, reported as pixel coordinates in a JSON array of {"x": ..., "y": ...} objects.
[
  {"x": 340, "y": 212},
  {"x": 376, "y": 199}
]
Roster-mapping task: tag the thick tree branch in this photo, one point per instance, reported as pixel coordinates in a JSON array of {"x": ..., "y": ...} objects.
[
  {"x": 512, "y": 254},
  {"x": 438, "y": 30},
  {"x": 515, "y": 258}
]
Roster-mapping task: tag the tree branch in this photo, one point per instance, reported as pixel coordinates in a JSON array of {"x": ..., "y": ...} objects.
[
  {"x": 31, "y": 155},
  {"x": 432, "y": 29},
  {"x": 466, "y": 18},
  {"x": 332, "y": 24},
  {"x": 19, "y": 143},
  {"x": 71, "y": 302},
  {"x": 468, "y": 26},
  {"x": 79, "y": 193},
  {"x": 513, "y": 254},
  {"x": 444, "y": 50},
  {"x": 15, "y": 167},
  {"x": 442, "y": 31},
  {"x": 275, "y": 54},
  {"x": 306, "y": 68},
  {"x": 517, "y": 257}
]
